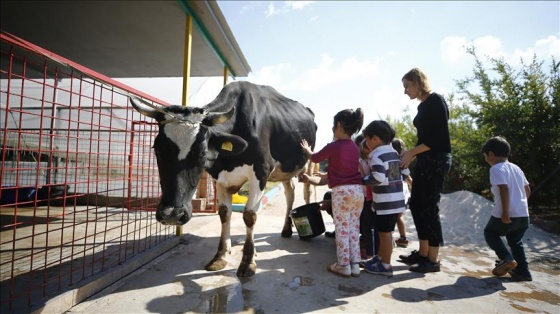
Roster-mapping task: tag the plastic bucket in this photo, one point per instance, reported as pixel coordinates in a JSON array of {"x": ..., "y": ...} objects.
[{"x": 308, "y": 220}]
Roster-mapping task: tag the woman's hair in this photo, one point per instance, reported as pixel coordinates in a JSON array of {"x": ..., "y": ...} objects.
[
  {"x": 398, "y": 145},
  {"x": 350, "y": 120},
  {"x": 420, "y": 79}
]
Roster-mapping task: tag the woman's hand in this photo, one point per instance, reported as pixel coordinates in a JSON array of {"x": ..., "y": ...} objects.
[
  {"x": 322, "y": 175},
  {"x": 408, "y": 155},
  {"x": 406, "y": 158}
]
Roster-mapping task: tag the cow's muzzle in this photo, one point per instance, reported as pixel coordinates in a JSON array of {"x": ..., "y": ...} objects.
[{"x": 175, "y": 216}]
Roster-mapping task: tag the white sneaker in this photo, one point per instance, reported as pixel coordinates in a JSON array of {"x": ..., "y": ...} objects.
[
  {"x": 355, "y": 269},
  {"x": 343, "y": 271}
]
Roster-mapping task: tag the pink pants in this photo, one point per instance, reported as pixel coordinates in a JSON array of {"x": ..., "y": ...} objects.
[{"x": 347, "y": 204}]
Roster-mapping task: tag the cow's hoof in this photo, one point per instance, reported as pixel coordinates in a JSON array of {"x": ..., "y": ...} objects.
[
  {"x": 216, "y": 264},
  {"x": 286, "y": 233},
  {"x": 246, "y": 270}
]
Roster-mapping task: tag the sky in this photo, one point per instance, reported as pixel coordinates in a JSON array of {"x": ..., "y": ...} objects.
[{"x": 335, "y": 55}]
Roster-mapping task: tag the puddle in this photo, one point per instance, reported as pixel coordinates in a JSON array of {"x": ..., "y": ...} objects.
[
  {"x": 226, "y": 299},
  {"x": 544, "y": 296}
]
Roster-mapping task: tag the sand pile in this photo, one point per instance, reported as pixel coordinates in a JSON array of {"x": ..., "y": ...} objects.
[{"x": 464, "y": 215}]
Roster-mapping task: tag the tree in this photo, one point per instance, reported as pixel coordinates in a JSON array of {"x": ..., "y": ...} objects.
[
  {"x": 404, "y": 129},
  {"x": 521, "y": 105}
]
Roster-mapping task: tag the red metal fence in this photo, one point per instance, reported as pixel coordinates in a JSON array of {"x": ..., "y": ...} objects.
[{"x": 78, "y": 181}]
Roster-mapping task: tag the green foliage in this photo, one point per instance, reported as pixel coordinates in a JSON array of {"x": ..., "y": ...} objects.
[
  {"x": 469, "y": 170},
  {"x": 404, "y": 130},
  {"x": 521, "y": 105}
]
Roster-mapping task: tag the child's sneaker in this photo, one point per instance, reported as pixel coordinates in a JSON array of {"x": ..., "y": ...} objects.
[
  {"x": 340, "y": 270},
  {"x": 402, "y": 242},
  {"x": 376, "y": 267},
  {"x": 355, "y": 269},
  {"x": 518, "y": 275},
  {"x": 503, "y": 267},
  {"x": 374, "y": 259},
  {"x": 426, "y": 266}
]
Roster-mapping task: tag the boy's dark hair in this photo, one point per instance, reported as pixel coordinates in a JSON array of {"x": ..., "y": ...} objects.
[
  {"x": 398, "y": 145},
  {"x": 382, "y": 129},
  {"x": 351, "y": 120},
  {"x": 497, "y": 145}
]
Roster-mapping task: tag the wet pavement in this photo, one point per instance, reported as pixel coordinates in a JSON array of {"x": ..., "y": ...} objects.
[{"x": 292, "y": 277}]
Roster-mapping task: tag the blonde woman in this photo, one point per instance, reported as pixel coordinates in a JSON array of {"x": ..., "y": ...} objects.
[{"x": 433, "y": 161}]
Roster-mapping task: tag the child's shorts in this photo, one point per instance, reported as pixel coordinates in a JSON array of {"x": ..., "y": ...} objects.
[{"x": 385, "y": 223}]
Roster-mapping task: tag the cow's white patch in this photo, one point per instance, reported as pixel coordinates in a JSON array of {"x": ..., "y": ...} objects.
[
  {"x": 183, "y": 135},
  {"x": 211, "y": 156},
  {"x": 278, "y": 176},
  {"x": 238, "y": 177}
]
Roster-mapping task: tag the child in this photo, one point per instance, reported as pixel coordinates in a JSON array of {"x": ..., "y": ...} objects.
[
  {"x": 510, "y": 216},
  {"x": 387, "y": 186},
  {"x": 345, "y": 182},
  {"x": 399, "y": 146},
  {"x": 369, "y": 240}
]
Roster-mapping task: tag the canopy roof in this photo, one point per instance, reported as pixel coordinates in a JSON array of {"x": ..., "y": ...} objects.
[{"x": 129, "y": 38}]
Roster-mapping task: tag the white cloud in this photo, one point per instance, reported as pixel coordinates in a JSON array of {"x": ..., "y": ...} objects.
[
  {"x": 245, "y": 8},
  {"x": 297, "y": 5},
  {"x": 544, "y": 49},
  {"x": 271, "y": 10},
  {"x": 271, "y": 75},
  {"x": 454, "y": 55},
  {"x": 328, "y": 73},
  {"x": 452, "y": 49},
  {"x": 288, "y": 6}
]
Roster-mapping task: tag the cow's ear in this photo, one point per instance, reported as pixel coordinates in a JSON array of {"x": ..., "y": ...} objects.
[{"x": 226, "y": 144}]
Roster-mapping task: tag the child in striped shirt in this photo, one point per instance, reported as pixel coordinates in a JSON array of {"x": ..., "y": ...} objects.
[{"x": 387, "y": 187}]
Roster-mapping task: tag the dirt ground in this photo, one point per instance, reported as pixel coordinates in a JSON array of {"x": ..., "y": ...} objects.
[{"x": 292, "y": 277}]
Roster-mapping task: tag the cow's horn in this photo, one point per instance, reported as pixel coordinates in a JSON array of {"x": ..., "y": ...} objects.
[
  {"x": 213, "y": 118},
  {"x": 144, "y": 108}
]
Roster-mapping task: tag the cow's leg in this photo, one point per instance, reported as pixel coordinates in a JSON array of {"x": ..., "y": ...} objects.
[
  {"x": 248, "y": 265},
  {"x": 224, "y": 247},
  {"x": 289, "y": 193}
]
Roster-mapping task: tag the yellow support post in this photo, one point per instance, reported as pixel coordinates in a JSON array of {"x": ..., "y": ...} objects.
[
  {"x": 186, "y": 78},
  {"x": 225, "y": 75},
  {"x": 187, "y": 60}
]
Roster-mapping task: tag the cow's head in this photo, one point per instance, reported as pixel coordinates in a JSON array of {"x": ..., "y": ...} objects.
[{"x": 182, "y": 148}]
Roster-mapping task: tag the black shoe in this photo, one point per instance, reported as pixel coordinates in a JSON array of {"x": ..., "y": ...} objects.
[
  {"x": 520, "y": 276},
  {"x": 330, "y": 234},
  {"x": 413, "y": 258},
  {"x": 426, "y": 266}
]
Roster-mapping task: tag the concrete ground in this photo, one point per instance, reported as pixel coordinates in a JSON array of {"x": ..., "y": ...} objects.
[{"x": 292, "y": 275}]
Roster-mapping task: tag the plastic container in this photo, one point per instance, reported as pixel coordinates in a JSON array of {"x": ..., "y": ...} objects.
[{"x": 308, "y": 220}]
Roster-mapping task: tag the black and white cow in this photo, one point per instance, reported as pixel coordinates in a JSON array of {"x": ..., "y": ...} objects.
[{"x": 248, "y": 133}]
